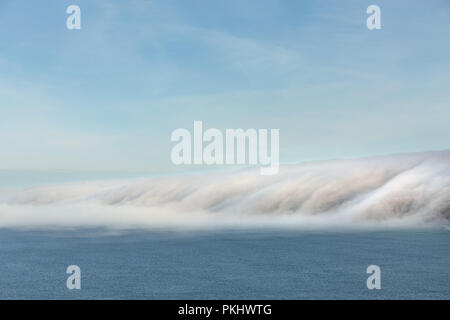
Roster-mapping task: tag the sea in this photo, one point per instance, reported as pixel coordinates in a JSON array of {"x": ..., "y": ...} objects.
[{"x": 226, "y": 264}]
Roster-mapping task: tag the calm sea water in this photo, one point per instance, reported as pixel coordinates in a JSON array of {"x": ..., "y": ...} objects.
[{"x": 225, "y": 265}]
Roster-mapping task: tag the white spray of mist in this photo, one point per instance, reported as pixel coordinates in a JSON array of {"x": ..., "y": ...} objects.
[{"x": 410, "y": 190}]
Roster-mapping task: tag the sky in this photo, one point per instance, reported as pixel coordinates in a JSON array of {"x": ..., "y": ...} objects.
[{"x": 107, "y": 97}]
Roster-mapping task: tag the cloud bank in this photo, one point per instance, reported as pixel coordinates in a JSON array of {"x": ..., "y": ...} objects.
[{"x": 408, "y": 190}]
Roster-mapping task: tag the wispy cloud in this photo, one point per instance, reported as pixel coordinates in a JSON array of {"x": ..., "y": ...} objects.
[{"x": 135, "y": 72}]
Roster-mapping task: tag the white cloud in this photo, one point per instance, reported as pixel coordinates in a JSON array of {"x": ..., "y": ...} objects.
[{"x": 403, "y": 190}]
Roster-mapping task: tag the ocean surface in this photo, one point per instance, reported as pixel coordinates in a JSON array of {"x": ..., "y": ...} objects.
[{"x": 264, "y": 264}]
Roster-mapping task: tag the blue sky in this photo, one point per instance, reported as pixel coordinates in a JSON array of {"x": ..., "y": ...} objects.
[{"x": 108, "y": 96}]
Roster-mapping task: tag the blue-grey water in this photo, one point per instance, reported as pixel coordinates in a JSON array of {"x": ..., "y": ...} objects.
[{"x": 225, "y": 265}]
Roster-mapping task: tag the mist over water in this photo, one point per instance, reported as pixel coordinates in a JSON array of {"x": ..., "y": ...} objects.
[{"x": 408, "y": 190}]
